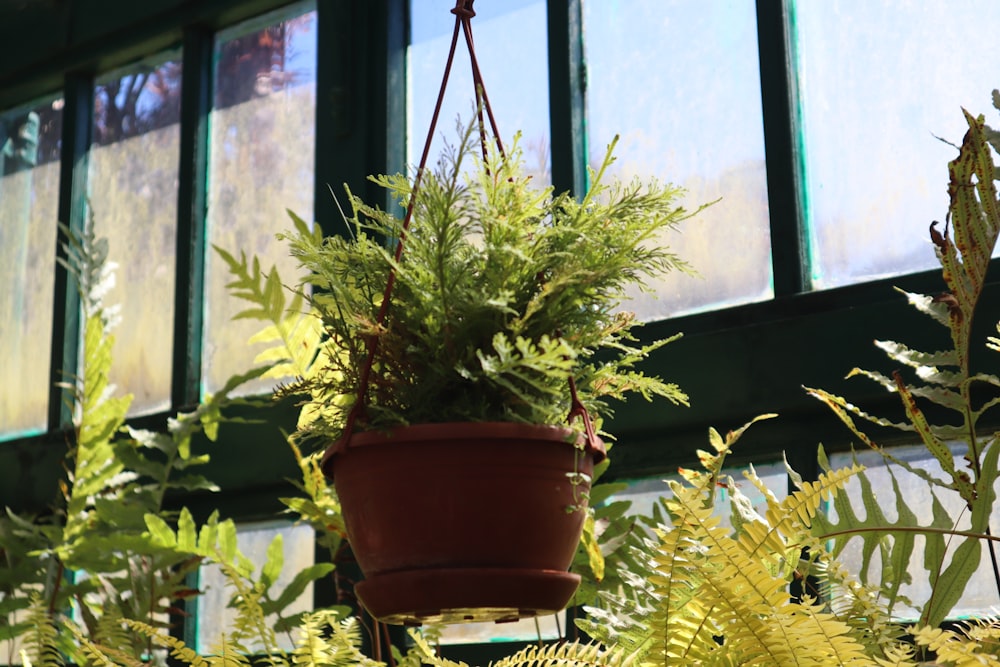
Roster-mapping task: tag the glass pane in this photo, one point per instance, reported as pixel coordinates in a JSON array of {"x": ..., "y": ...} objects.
[
  {"x": 878, "y": 82},
  {"x": 980, "y": 595},
  {"x": 680, "y": 83},
  {"x": 512, "y": 50},
  {"x": 214, "y": 615},
  {"x": 261, "y": 163},
  {"x": 29, "y": 195},
  {"x": 133, "y": 196}
]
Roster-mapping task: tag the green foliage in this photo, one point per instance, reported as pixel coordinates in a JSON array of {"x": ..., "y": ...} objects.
[
  {"x": 41, "y": 645},
  {"x": 324, "y": 639},
  {"x": 565, "y": 655},
  {"x": 107, "y": 550},
  {"x": 294, "y": 335},
  {"x": 706, "y": 595},
  {"x": 955, "y": 648},
  {"x": 941, "y": 383},
  {"x": 711, "y": 596},
  {"x": 504, "y": 292},
  {"x": 511, "y": 291},
  {"x": 317, "y": 502}
]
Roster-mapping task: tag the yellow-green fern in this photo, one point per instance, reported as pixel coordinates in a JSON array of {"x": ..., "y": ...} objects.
[{"x": 41, "y": 641}]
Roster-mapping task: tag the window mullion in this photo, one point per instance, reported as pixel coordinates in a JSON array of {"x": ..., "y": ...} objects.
[
  {"x": 360, "y": 82},
  {"x": 191, "y": 211},
  {"x": 567, "y": 96},
  {"x": 78, "y": 119},
  {"x": 789, "y": 252}
]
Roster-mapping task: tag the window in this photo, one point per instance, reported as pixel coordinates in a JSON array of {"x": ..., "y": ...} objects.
[
  {"x": 133, "y": 183},
  {"x": 29, "y": 185},
  {"x": 215, "y": 617},
  {"x": 878, "y": 85},
  {"x": 679, "y": 83},
  {"x": 261, "y": 163},
  {"x": 980, "y": 594},
  {"x": 181, "y": 126}
]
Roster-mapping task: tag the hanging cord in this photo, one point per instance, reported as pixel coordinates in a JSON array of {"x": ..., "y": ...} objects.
[
  {"x": 463, "y": 10},
  {"x": 578, "y": 410},
  {"x": 463, "y": 22},
  {"x": 464, "y": 13}
]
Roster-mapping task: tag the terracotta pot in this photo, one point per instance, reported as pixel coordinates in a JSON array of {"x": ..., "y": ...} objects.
[{"x": 463, "y": 521}]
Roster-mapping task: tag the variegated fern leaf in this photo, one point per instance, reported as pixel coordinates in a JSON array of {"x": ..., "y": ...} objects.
[
  {"x": 748, "y": 603},
  {"x": 973, "y": 644},
  {"x": 942, "y": 380},
  {"x": 572, "y": 654},
  {"x": 721, "y": 597}
]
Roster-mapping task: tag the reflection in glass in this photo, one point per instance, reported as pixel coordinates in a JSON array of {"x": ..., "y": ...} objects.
[
  {"x": 878, "y": 83},
  {"x": 260, "y": 164},
  {"x": 215, "y": 617},
  {"x": 133, "y": 196},
  {"x": 680, "y": 82},
  {"x": 512, "y": 50},
  {"x": 29, "y": 195},
  {"x": 980, "y": 595}
]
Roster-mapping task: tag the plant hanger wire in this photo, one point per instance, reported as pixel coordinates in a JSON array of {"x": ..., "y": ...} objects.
[{"x": 464, "y": 13}]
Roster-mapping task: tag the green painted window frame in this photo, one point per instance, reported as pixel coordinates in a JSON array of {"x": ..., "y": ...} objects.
[{"x": 735, "y": 362}]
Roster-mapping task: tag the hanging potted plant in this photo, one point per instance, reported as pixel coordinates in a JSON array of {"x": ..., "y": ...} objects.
[
  {"x": 460, "y": 385},
  {"x": 462, "y": 381}
]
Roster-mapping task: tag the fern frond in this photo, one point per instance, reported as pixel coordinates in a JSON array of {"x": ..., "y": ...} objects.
[
  {"x": 177, "y": 647},
  {"x": 777, "y": 540},
  {"x": 861, "y": 606},
  {"x": 312, "y": 646},
  {"x": 110, "y": 630},
  {"x": 427, "y": 655},
  {"x": 101, "y": 654},
  {"x": 572, "y": 654},
  {"x": 295, "y": 331},
  {"x": 40, "y": 643},
  {"x": 226, "y": 652},
  {"x": 102, "y": 415},
  {"x": 952, "y": 648},
  {"x": 736, "y": 587},
  {"x": 961, "y": 481},
  {"x": 819, "y": 638},
  {"x": 901, "y": 655},
  {"x": 924, "y": 362},
  {"x": 681, "y": 626},
  {"x": 250, "y": 622}
]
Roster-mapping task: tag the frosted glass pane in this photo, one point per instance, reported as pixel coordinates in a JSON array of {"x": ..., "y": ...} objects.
[
  {"x": 980, "y": 595},
  {"x": 680, "y": 83},
  {"x": 512, "y": 50},
  {"x": 877, "y": 82},
  {"x": 261, "y": 163},
  {"x": 133, "y": 196},
  {"x": 253, "y": 540},
  {"x": 29, "y": 194}
]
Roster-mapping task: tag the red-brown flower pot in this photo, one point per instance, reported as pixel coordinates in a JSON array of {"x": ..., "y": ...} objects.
[{"x": 463, "y": 521}]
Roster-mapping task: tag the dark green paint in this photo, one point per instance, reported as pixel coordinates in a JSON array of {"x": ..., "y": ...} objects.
[
  {"x": 78, "y": 115},
  {"x": 567, "y": 97},
  {"x": 196, "y": 96}
]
